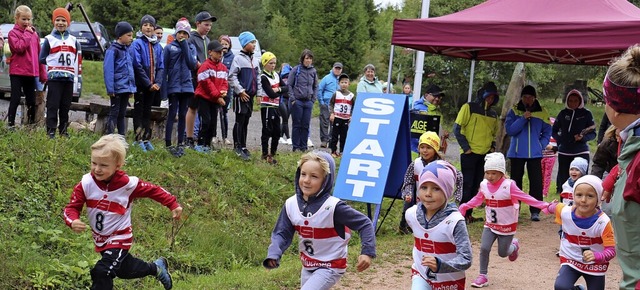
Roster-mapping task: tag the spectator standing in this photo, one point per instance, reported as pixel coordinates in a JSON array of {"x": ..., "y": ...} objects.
[
  {"x": 60, "y": 44},
  {"x": 369, "y": 83},
  {"x": 303, "y": 87},
  {"x": 24, "y": 45},
  {"x": 475, "y": 129},
  {"x": 147, "y": 54},
  {"x": 119, "y": 78},
  {"x": 341, "y": 107},
  {"x": 284, "y": 107},
  {"x": 211, "y": 90},
  {"x": 244, "y": 79},
  {"x": 326, "y": 89},
  {"x": 606, "y": 156},
  {"x": 273, "y": 88},
  {"x": 227, "y": 59},
  {"x": 199, "y": 40},
  {"x": 528, "y": 126},
  {"x": 573, "y": 128}
]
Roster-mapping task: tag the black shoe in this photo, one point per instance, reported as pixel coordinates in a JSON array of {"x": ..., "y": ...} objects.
[
  {"x": 535, "y": 217},
  {"x": 241, "y": 154},
  {"x": 246, "y": 152},
  {"x": 405, "y": 230}
]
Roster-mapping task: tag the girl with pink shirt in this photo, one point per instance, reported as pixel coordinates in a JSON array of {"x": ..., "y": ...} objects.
[
  {"x": 501, "y": 196},
  {"x": 24, "y": 67}
]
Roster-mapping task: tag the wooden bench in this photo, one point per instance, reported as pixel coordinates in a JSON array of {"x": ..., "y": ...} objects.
[{"x": 158, "y": 118}]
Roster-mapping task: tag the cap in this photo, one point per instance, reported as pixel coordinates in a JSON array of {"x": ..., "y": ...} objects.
[
  {"x": 434, "y": 90},
  {"x": 528, "y": 90},
  {"x": 337, "y": 64},
  {"x": 441, "y": 173},
  {"x": 183, "y": 25},
  {"x": 245, "y": 38},
  {"x": 343, "y": 76},
  {"x": 430, "y": 138},
  {"x": 267, "y": 57},
  {"x": 495, "y": 161},
  {"x": 61, "y": 12},
  {"x": 214, "y": 45},
  {"x": 148, "y": 19},
  {"x": 204, "y": 15},
  {"x": 122, "y": 28},
  {"x": 592, "y": 180}
]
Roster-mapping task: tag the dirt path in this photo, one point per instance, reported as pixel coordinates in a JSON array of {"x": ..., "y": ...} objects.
[{"x": 536, "y": 267}]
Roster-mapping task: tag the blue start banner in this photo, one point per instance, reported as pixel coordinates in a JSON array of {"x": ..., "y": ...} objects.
[{"x": 377, "y": 150}]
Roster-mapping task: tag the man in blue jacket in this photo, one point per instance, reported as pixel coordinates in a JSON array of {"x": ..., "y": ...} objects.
[
  {"x": 529, "y": 127},
  {"x": 328, "y": 86}
]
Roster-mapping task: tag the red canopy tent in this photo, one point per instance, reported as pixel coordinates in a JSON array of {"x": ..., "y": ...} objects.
[{"x": 589, "y": 32}]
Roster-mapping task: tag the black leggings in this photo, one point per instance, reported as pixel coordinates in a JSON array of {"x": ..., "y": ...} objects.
[
  {"x": 240, "y": 130},
  {"x": 207, "y": 112},
  {"x": 284, "y": 114},
  {"x": 19, "y": 85},
  {"x": 270, "y": 129},
  {"x": 142, "y": 114},
  {"x": 534, "y": 167},
  {"x": 118, "y": 263},
  {"x": 338, "y": 133},
  {"x": 568, "y": 276},
  {"x": 59, "y": 97}
]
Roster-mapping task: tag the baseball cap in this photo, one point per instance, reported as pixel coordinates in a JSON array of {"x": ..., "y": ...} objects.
[
  {"x": 435, "y": 90},
  {"x": 215, "y": 46},
  {"x": 337, "y": 64},
  {"x": 204, "y": 15}
]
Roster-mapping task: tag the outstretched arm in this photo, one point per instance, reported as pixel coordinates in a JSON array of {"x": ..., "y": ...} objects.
[{"x": 281, "y": 238}]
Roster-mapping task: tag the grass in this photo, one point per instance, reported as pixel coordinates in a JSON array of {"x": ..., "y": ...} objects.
[{"x": 92, "y": 79}]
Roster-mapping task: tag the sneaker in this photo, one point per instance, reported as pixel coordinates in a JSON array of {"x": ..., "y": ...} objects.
[
  {"x": 324, "y": 145},
  {"x": 282, "y": 140},
  {"x": 181, "y": 150},
  {"x": 246, "y": 152},
  {"x": 289, "y": 142},
  {"x": 141, "y": 145},
  {"x": 215, "y": 140},
  {"x": 149, "y": 146},
  {"x": 241, "y": 154},
  {"x": 271, "y": 160},
  {"x": 535, "y": 217},
  {"x": 580, "y": 287},
  {"x": 309, "y": 143},
  {"x": 173, "y": 150},
  {"x": 481, "y": 281},
  {"x": 163, "y": 273},
  {"x": 558, "y": 254},
  {"x": 227, "y": 141},
  {"x": 514, "y": 255},
  {"x": 202, "y": 148}
]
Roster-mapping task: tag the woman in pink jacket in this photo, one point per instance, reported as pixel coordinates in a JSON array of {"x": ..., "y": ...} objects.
[{"x": 24, "y": 67}]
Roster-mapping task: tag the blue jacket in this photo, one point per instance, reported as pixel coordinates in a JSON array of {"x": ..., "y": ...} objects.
[
  {"x": 570, "y": 123},
  {"x": 141, "y": 54},
  {"x": 328, "y": 86},
  {"x": 227, "y": 59},
  {"x": 528, "y": 137},
  {"x": 119, "y": 77},
  {"x": 245, "y": 75},
  {"x": 180, "y": 61},
  {"x": 303, "y": 83}
]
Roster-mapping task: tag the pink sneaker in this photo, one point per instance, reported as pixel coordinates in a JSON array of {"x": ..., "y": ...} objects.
[
  {"x": 514, "y": 254},
  {"x": 481, "y": 281}
]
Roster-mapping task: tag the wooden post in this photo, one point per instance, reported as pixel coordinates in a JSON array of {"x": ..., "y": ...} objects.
[
  {"x": 40, "y": 106},
  {"x": 510, "y": 99}
]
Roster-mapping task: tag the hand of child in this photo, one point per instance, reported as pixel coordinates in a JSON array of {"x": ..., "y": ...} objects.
[
  {"x": 221, "y": 102},
  {"x": 29, "y": 29},
  {"x": 364, "y": 262},
  {"x": 578, "y": 137},
  {"x": 78, "y": 226},
  {"x": 177, "y": 212},
  {"x": 431, "y": 262},
  {"x": 408, "y": 198},
  {"x": 588, "y": 256},
  {"x": 244, "y": 97},
  {"x": 154, "y": 88},
  {"x": 606, "y": 196},
  {"x": 223, "y": 93},
  {"x": 468, "y": 151},
  {"x": 331, "y": 117}
]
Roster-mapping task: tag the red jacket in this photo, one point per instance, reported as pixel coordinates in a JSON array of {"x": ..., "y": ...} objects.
[
  {"x": 115, "y": 209},
  {"x": 212, "y": 79},
  {"x": 25, "y": 50}
]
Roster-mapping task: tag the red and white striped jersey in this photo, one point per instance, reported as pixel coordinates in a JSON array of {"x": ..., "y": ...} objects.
[
  {"x": 501, "y": 213},
  {"x": 319, "y": 244},
  {"x": 575, "y": 240}
]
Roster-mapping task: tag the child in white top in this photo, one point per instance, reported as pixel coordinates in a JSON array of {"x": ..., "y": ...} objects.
[
  {"x": 501, "y": 197},
  {"x": 577, "y": 169},
  {"x": 441, "y": 249},
  {"x": 587, "y": 243}
]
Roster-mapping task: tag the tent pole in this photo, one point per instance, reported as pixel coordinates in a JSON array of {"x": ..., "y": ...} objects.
[
  {"x": 473, "y": 72},
  {"x": 389, "y": 75},
  {"x": 417, "y": 81}
]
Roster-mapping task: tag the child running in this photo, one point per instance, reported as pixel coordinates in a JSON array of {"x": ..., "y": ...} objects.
[
  {"x": 108, "y": 193},
  {"x": 577, "y": 169},
  {"x": 587, "y": 243},
  {"x": 501, "y": 197},
  {"x": 621, "y": 89},
  {"x": 323, "y": 224},
  {"x": 442, "y": 250}
]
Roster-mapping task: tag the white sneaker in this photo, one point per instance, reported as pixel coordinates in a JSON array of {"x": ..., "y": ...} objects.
[
  {"x": 227, "y": 141},
  {"x": 214, "y": 140},
  {"x": 309, "y": 143},
  {"x": 282, "y": 140},
  {"x": 164, "y": 104},
  {"x": 289, "y": 142}
]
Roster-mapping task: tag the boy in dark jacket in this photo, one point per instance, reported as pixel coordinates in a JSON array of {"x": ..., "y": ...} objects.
[
  {"x": 211, "y": 89},
  {"x": 573, "y": 128},
  {"x": 244, "y": 79},
  {"x": 147, "y": 53},
  {"x": 119, "y": 77}
]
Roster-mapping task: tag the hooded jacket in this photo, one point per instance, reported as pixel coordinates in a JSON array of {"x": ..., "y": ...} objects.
[
  {"x": 143, "y": 50},
  {"x": 212, "y": 80},
  {"x": 200, "y": 44},
  {"x": 476, "y": 126},
  {"x": 328, "y": 86},
  {"x": 344, "y": 215},
  {"x": 180, "y": 60},
  {"x": 573, "y": 122},
  {"x": 367, "y": 86},
  {"x": 303, "y": 83},
  {"x": 118, "y": 70},
  {"x": 528, "y": 137},
  {"x": 25, "y": 50}
]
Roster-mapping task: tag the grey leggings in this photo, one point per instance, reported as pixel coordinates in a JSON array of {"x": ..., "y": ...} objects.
[{"x": 488, "y": 238}]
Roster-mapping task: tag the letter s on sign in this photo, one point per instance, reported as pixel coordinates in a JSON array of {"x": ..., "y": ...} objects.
[{"x": 378, "y": 106}]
